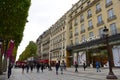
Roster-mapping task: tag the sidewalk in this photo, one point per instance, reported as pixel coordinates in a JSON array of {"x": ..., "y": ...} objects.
[
  {"x": 3, "y": 76},
  {"x": 69, "y": 74},
  {"x": 91, "y": 73}
]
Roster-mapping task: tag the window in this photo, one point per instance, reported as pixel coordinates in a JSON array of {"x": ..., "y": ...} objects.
[
  {"x": 81, "y": 18},
  {"x": 91, "y": 34},
  {"x": 71, "y": 42},
  {"x": 113, "y": 29},
  {"x": 71, "y": 34},
  {"x": 70, "y": 26},
  {"x": 63, "y": 36},
  {"x": 99, "y": 18},
  {"x": 83, "y": 38},
  {"x": 90, "y": 23},
  {"x": 90, "y": 26},
  {"x": 98, "y": 7},
  {"x": 101, "y": 32},
  {"x": 76, "y": 22},
  {"x": 76, "y": 40},
  {"x": 110, "y": 13},
  {"x": 76, "y": 31},
  {"x": 82, "y": 27},
  {"x": 89, "y": 12},
  {"x": 108, "y": 1}
]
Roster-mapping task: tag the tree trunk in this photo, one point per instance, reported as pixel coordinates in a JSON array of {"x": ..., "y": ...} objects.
[
  {"x": 1, "y": 63},
  {"x": 5, "y": 64}
]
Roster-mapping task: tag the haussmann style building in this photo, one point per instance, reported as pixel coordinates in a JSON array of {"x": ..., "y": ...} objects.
[{"x": 78, "y": 35}]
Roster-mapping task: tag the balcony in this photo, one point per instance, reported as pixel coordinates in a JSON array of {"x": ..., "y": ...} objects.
[
  {"x": 90, "y": 27},
  {"x": 81, "y": 20},
  {"x": 82, "y": 31},
  {"x": 98, "y": 10},
  {"x": 76, "y": 34},
  {"x": 56, "y": 49},
  {"x": 113, "y": 39},
  {"x": 111, "y": 18},
  {"x": 76, "y": 24},
  {"x": 100, "y": 23},
  {"x": 89, "y": 16}
]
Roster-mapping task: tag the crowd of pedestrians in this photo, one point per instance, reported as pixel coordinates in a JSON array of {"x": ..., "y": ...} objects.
[
  {"x": 30, "y": 66},
  {"x": 59, "y": 66}
]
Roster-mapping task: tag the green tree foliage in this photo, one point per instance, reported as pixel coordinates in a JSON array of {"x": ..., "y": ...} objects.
[
  {"x": 30, "y": 51},
  {"x": 13, "y": 17}
]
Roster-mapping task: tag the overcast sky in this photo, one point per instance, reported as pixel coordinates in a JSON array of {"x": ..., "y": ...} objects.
[{"x": 42, "y": 14}]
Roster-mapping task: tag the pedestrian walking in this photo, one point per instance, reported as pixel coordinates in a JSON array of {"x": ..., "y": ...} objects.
[
  {"x": 84, "y": 66},
  {"x": 98, "y": 66},
  {"x": 76, "y": 66},
  {"x": 42, "y": 67},
  {"x": 23, "y": 66},
  {"x": 31, "y": 67},
  {"x": 57, "y": 67},
  {"x": 65, "y": 66},
  {"x": 27, "y": 68},
  {"x": 62, "y": 67},
  {"x": 38, "y": 67},
  {"x": 9, "y": 70}
]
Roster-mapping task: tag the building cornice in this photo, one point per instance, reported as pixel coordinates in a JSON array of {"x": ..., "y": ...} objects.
[{"x": 82, "y": 10}]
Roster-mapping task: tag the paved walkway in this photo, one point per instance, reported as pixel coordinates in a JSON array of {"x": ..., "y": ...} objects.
[
  {"x": 89, "y": 74},
  {"x": 3, "y": 76}
]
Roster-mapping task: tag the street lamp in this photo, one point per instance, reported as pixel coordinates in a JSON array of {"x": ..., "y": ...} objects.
[{"x": 111, "y": 74}]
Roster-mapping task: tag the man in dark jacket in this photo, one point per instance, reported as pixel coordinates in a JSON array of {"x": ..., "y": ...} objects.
[
  {"x": 9, "y": 70},
  {"x": 76, "y": 66},
  {"x": 38, "y": 66},
  {"x": 42, "y": 67},
  {"x": 57, "y": 67}
]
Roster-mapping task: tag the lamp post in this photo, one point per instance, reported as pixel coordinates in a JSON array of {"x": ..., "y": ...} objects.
[{"x": 110, "y": 74}]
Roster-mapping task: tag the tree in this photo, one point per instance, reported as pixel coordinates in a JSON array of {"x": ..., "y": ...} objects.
[
  {"x": 13, "y": 17},
  {"x": 29, "y": 51}
]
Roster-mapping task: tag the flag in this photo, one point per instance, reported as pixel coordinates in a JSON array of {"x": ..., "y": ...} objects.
[{"x": 10, "y": 49}]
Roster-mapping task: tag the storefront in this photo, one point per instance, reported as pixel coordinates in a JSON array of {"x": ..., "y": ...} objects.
[
  {"x": 116, "y": 55},
  {"x": 95, "y": 50},
  {"x": 79, "y": 57}
]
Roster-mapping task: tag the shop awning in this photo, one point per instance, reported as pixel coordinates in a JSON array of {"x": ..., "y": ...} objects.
[{"x": 43, "y": 61}]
